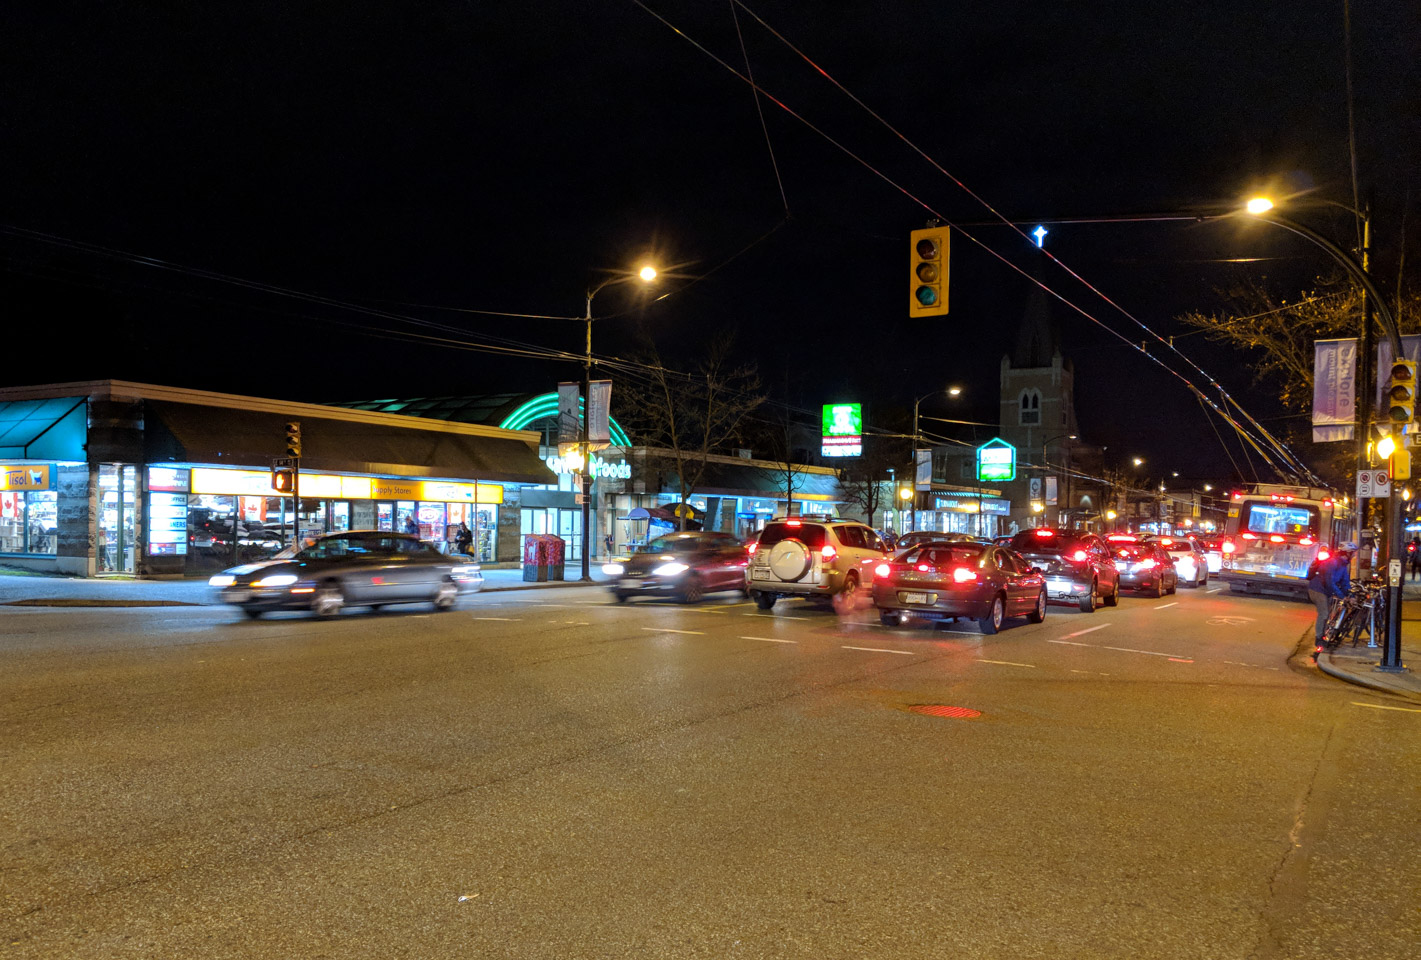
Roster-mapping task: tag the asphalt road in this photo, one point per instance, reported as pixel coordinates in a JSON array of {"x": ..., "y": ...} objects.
[{"x": 548, "y": 774}]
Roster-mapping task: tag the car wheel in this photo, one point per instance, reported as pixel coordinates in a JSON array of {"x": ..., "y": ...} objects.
[
  {"x": 765, "y": 600},
  {"x": 1114, "y": 598},
  {"x": 1193, "y": 584},
  {"x": 1088, "y": 601},
  {"x": 445, "y": 596},
  {"x": 253, "y": 612},
  {"x": 890, "y": 618},
  {"x": 692, "y": 590},
  {"x": 1173, "y": 587},
  {"x": 620, "y": 595},
  {"x": 851, "y": 585},
  {"x": 1159, "y": 587},
  {"x": 992, "y": 622},
  {"x": 328, "y": 600},
  {"x": 1038, "y": 612}
]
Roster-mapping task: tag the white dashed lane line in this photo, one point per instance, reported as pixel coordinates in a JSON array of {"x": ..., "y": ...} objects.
[
  {"x": 1078, "y": 633},
  {"x": 1007, "y": 663},
  {"x": 1166, "y": 606},
  {"x": 773, "y": 616},
  {"x": 1217, "y": 590},
  {"x": 501, "y": 619},
  {"x": 901, "y": 653},
  {"x": 1380, "y": 706},
  {"x": 769, "y": 639},
  {"x": 693, "y": 633}
]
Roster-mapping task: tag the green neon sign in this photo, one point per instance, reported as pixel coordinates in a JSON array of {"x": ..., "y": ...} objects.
[
  {"x": 546, "y": 405},
  {"x": 996, "y": 460}
]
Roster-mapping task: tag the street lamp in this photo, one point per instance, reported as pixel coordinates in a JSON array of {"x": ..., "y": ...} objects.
[
  {"x": 647, "y": 274},
  {"x": 953, "y": 391},
  {"x": 1263, "y": 209}
]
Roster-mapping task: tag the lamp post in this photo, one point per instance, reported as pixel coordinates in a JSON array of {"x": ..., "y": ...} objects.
[
  {"x": 645, "y": 275},
  {"x": 1263, "y": 209},
  {"x": 953, "y": 391}
]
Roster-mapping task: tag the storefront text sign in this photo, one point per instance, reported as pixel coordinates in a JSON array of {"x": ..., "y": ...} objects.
[
  {"x": 620, "y": 470},
  {"x": 325, "y": 486},
  {"x": 29, "y": 476}
]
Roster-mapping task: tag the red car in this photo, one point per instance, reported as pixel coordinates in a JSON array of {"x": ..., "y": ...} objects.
[
  {"x": 1079, "y": 567},
  {"x": 963, "y": 580}
]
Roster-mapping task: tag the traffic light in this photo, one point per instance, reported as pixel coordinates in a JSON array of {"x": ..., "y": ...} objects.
[
  {"x": 1401, "y": 392},
  {"x": 293, "y": 438},
  {"x": 927, "y": 284},
  {"x": 283, "y": 479}
]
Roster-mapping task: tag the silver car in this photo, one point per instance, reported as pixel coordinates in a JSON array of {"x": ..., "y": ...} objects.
[{"x": 367, "y": 568}]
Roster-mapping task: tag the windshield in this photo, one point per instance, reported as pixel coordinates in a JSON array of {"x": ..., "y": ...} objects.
[
  {"x": 1288, "y": 518},
  {"x": 1133, "y": 551},
  {"x": 943, "y": 555},
  {"x": 672, "y": 545},
  {"x": 1029, "y": 541},
  {"x": 809, "y": 534}
]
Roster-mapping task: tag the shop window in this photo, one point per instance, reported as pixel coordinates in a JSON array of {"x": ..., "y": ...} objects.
[{"x": 29, "y": 521}]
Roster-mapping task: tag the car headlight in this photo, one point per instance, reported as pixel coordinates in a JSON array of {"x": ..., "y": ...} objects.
[
  {"x": 613, "y": 569},
  {"x": 276, "y": 580},
  {"x": 670, "y": 569},
  {"x": 222, "y": 580},
  {"x": 467, "y": 572}
]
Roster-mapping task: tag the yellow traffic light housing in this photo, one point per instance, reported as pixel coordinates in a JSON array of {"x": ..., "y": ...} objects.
[
  {"x": 1401, "y": 392},
  {"x": 293, "y": 438},
  {"x": 927, "y": 283},
  {"x": 283, "y": 479}
]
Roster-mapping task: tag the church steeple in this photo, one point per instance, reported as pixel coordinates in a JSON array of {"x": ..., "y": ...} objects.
[{"x": 1036, "y": 339}]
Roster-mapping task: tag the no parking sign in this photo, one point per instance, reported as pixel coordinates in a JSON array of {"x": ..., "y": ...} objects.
[{"x": 1373, "y": 483}]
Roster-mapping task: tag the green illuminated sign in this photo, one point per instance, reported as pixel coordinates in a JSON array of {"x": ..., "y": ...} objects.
[
  {"x": 996, "y": 460},
  {"x": 843, "y": 430}
]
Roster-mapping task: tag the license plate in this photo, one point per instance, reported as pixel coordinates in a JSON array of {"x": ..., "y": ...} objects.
[
  {"x": 760, "y": 575},
  {"x": 1119, "y": 565},
  {"x": 915, "y": 598},
  {"x": 239, "y": 596}
]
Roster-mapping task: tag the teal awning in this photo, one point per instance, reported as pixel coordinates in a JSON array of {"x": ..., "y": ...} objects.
[{"x": 55, "y": 429}]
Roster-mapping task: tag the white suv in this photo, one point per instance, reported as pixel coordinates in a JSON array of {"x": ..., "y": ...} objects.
[{"x": 798, "y": 556}]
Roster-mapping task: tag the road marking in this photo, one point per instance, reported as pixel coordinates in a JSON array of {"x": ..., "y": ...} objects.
[
  {"x": 1007, "y": 663},
  {"x": 1091, "y": 672},
  {"x": 773, "y": 616},
  {"x": 1166, "y": 606},
  {"x": 747, "y": 603},
  {"x": 1152, "y": 653},
  {"x": 1088, "y": 630},
  {"x": 1228, "y": 621},
  {"x": 694, "y": 633},
  {"x": 1070, "y": 644},
  {"x": 1378, "y": 706},
  {"x": 575, "y": 623},
  {"x": 1216, "y": 590},
  {"x": 769, "y": 639},
  {"x": 901, "y": 653},
  {"x": 502, "y": 619}
]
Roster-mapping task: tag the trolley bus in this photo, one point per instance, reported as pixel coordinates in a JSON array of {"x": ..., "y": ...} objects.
[{"x": 1274, "y": 532}]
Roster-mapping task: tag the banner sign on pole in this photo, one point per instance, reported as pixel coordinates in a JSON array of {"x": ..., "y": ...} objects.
[
  {"x": 923, "y": 470},
  {"x": 1334, "y": 389},
  {"x": 569, "y": 414},
  {"x": 599, "y": 414}
]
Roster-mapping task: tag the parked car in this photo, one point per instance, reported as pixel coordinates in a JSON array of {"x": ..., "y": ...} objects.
[
  {"x": 800, "y": 557},
  {"x": 685, "y": 566},
  {"x": 1079, "y": 567},
  {"x": 1189, "y": 560},
  {"x": 959, "y": 580},
  {"x": 1143, "y": 566},
  {"x": 355, "y": 568}
]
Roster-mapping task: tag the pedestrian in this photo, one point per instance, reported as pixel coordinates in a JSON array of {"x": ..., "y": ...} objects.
[
  {"x": 1413, "y": 556},
  {"x": 610, "y": 543},
  {"x": 411, "y": 525},
  {"x": 463, "y": 538},
  {"x": 1318, "y": 577}
]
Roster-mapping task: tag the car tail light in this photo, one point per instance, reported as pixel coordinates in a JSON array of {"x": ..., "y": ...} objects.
[
  {"x": 1276, "y": 538},
  {"x": 882, "y": 570},
  {"x": 964, "y": 575},
  {"x": 1249, "y": 536},
  {"x": 1305, "y": 542},
  {"x": 1078, "y": 556},
  {"x": 794, "y": 523},
  {"x": 1147, "y": 564},
  {"x": 1166, "y": 541},
  {"x": 828, "y": 552},
  {"x": 1045, "y": 533},
  {"x": 752, "y": 547},
  {"x": 1228, "y": 546},
  {"x": 1323, "y": 554}
]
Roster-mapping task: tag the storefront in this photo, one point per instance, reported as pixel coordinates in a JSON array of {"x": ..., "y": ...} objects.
[
  {"x": 115, "y": 477},
  {"x": 960, "y": 511}
]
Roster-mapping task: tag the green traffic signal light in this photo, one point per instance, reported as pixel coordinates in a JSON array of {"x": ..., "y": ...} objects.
[
  {"x": 1401, "y": 392},
  {"x": 928, "y": 282}
]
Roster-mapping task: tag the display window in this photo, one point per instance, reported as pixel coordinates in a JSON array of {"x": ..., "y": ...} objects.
[{"x": 29, "y": 521}]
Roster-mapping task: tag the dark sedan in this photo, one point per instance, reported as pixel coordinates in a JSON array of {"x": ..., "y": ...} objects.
[
  {"x": 684, "y": 566},
  {"x": 963, "y": 580},
  {"x": 1145, "y": 567},
  {"x": 1079, "y": 567},
  {"x": 356, "y": 568}
]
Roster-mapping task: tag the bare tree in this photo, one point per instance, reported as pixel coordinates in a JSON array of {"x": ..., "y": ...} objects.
[
  {"x": 691, "y": 415},
  {"x": 862, "y": 479},
  {"x": 774, "y": 437}
]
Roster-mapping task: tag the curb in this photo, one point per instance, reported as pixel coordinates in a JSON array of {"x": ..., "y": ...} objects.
[{"x": 1325, "y": 665}]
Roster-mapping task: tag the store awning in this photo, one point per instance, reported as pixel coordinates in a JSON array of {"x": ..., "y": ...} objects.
[
  {"x": 54, "y": 429},
  {"x": 189, "y": 433}
]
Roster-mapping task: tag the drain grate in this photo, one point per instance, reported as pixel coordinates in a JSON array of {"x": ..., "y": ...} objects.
[{"x": 942, "y": 710}]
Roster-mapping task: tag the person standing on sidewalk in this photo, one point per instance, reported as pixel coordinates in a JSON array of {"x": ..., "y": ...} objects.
[
  {"x": 1328, "y": 580},
  {"x": 1413, "y": 556}
]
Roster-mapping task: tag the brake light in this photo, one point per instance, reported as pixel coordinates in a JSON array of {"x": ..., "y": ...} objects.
[
  {"x": 1249, "y": 536},
  {"x": 828, "y": 552},
  {"x": 1323, "y": 554},
  {"x": 794, "y": 523},
  {"x": 1078, "y": 556},
  {"x": 964, "y": 575},
  {"x": 1305, "y": 542},
  {"x": 1166, "y": 541},
  {"x": 1147, "y": 564},
  {"x": 882, "y": 570},
  {"x": 1275, "y": 539},
  {"x": 1045, "y": 533},
  {"x": 1228, "y": 546},
  {"x": 925, "y": 568},
  {"x": 753, "y": 546}
]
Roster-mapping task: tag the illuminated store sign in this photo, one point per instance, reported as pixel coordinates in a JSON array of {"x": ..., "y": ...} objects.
[
  {"x": 572, "y": 463},
  {"x": 325, "y": 486},
  {"x": 29, "y": 476},
  {"x": 996, "y": 461},
  {"x": 843, "y": 430}
]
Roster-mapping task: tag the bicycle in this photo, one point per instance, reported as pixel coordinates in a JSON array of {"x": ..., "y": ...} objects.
[{"x": 1358, "y": 613}]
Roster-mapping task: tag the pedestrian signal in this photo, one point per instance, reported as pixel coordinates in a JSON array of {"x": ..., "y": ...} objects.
[
  {"x": 283, "y": 479},
  {"x": 927, "y": 284}
]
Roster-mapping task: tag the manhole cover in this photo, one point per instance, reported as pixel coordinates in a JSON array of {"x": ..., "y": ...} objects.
[{"x": 941, "y": 710}]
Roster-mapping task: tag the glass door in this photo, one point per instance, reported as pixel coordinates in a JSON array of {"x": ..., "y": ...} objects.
[{"x": 115, "y": 539}]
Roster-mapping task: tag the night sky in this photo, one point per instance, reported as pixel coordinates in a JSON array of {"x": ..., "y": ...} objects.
[{"x": 409, "y": 158}]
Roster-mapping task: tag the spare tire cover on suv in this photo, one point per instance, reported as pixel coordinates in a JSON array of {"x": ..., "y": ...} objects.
[{"x": 789, "y": 559}]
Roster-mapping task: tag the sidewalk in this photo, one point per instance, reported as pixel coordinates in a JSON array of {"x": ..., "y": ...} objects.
[
  {"x": 51, "y": 591},
  {"x": 1359, "y": 664}
]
